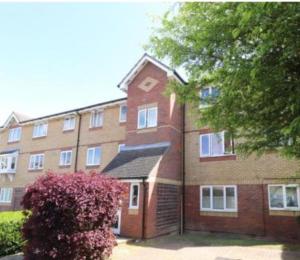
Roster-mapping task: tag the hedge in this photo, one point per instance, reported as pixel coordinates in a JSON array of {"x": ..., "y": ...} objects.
[{"x": 10, "y": 232}]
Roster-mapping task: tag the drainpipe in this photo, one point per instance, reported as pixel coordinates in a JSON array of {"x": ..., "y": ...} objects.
[
  {"x": 182, "y": 220},
  {"x": 263, "y": 209},
  {"x": 78, "y": 142},
  {"x": 144, "y": 210}
]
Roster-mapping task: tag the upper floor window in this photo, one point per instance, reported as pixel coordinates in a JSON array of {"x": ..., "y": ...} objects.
[
  {"x": 134, "y": 196},
  {"x": 69, "y": 123},
  {"x": 147, "y": 117},
  {"x": 284, "y": 197},
  {"x": 218, "y": 198},
  {"x": 206, "y": 94},
  {"x": 8, "y": 163},
  {"x": 36, "y": 162},
  {"x": 123, "y": 113},
  {"x": 5, "y": 195},
  {"x": 40, "y": 130},
  {"x": 96, "y": 119},
  {"x": 93, "y": 156},
  {"x": 65, "y": 158},
  {"x": 14, "y": 134},
  {"x": 215, "y": 144}
]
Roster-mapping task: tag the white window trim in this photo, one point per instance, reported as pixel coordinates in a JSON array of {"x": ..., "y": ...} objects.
[
  {"x": 92, "y": 115},
  {"x": 120, "y": 114},
  {"x": 10, "y": 156},
  {"x": 131, "y": 194},
  {"x": 46, "y": 132},
  {"x": 210, "y": 145},
  {"x": 284, "y": 186},
  {"x": 69, "y": 128},
  {"x": 224, "y": 198},
  {"x": 87, "y": 156},
  {"x": 10, "y": 190},
  {"x": 39, "y": 168},
  {"x": 14, "y": 140},
  {"x": 146, "y": 110},
  {"x": 60, "y": 158}
]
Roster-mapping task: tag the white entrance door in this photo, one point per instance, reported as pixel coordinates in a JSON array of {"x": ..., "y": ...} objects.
[{"x": 117, "y": 226}]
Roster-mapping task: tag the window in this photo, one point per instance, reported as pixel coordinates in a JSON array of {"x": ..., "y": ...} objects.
[
  {"x": 69, "y": 123},
  {"x": 8, "y": 163},
  {"x": 284, "y": 197},
  {"x": 134, "y": 196},
  {"x": 93, "y": 156},
  {"x": 207, "y": 95},
  {"x": 147, "y": 117},
  {"x": 218, "y": 198},
  {"x": 14, "y": 134},
  {"x": 123, "y": 113},
  {"x": 121, "y": 146},
  {"x": 40, "y": 130},
  {"x": 215, "y": 144},
  {"x": 96, "y": 119},
  {"x": 65, "y": 158},
  {"x": 36, "y": 162},
  {"x": 5, "y": 195}
]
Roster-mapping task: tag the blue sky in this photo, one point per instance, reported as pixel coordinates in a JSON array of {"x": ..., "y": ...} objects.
[{"x": 55, "y": 57}]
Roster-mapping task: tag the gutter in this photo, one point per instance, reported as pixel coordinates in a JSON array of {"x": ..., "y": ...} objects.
[{"x": 78, "y": 142}]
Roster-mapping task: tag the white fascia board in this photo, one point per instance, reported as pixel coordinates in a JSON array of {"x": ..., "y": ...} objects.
[{"x": 11, "y": 116}]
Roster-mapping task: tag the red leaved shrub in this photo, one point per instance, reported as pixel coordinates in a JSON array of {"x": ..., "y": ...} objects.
[{"x": 71, "y": 216}]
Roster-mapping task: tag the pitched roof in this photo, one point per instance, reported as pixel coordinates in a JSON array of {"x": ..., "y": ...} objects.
[{"x": 135, "y": 162}]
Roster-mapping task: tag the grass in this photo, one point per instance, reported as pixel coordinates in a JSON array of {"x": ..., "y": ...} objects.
[{"x": 10, "y": 215}]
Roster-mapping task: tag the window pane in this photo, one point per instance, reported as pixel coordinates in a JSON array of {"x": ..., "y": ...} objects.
[
  {"x": 230, "y": 198},
  {"x": 204, "y": 145},
  {"x": 97, "y": 155},
  {"x": 142, "y": 118},
  {"x": 123, "y": 113},
  {"x": 276, "y": 197},
  {"x": 291, "y": 197},
  {"x": 228, "y": 143},
  {"x": 218, "y": 198},
  {"x": 134, "y": 198},
  {"x": 206, "y": 198},
  {"x": 152, "y": 117},
  {"x": 90, "y": 156},
  {"x": 215, "y": 92},
  {"x": 217, "y": 144}
]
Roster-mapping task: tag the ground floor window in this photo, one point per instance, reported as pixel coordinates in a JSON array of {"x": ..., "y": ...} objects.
[
  {"x": 134, "y": 196},
  {"x": 218, "y": 198},
  {"x": 6, "y": 195},
  {"x": 284, "y": 197}
]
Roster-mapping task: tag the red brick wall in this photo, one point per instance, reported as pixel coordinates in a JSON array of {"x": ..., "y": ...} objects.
[{"x": 252, "y": 217}]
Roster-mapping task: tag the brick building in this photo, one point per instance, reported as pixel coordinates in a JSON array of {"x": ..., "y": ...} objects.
[{"x": 179, "y": 177}]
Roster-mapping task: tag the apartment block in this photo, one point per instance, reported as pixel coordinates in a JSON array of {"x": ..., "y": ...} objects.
[{"x": 179, "y": 177}]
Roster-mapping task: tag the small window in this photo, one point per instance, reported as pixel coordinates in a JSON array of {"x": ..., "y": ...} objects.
[
  {"x": 40, "y": 130},
  {"x": 96, "y": 119},
  {"x": 65, "y": 158},
  {"x": 218, "y": 198},
  {"x": 134, "y": 196},
  {"x": 14, "y": 134},
  {"x": 147, "y": 117},
  {"x": 69, "y": 123},
  {"x": 215, "y": 144},
  {"x": 284, "y": 197},
  {"x": 6, "y": 195},
  {"x": 208, "y": 95},
  {"x": 93, "y": 156},
  {"x": 36, "y": 162},
  {"x": 120, "y": 147},
  {"x": 123, "y": 113}
]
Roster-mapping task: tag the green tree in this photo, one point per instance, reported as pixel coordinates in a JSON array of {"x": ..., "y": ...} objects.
[{"x": 251, "y": 52}]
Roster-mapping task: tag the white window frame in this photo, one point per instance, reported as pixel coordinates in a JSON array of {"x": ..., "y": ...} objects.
[
  {"x": 284, "y": 186},
  {"x": 122, "y": 120},
  {"x": 131, "y": 194},
  {"x": 34, "y": 157},
  {"x": 146, "y": 111},
  {"x": 64, "y": 162},
  {"x": 9, "y": 157},
  {"x": 101, "y": 112},
  {"x": 14, "y": 134},
  {"x": 6, "y": 195},
  {"x": 37, "y": 135},
  {"x": 69, "y": 123},
  {"x": 120, "y": 147},
  {"x": 222, "y": 135},
  {"x": 210, "y": 187},
  {"x": 93, "y": 159}
]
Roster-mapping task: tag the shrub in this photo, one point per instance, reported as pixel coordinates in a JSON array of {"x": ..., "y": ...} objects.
[
  {"x": 71, "y": 216},
  {"x": 10, "y": 232}
]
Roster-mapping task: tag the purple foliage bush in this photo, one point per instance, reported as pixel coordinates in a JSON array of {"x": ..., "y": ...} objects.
[{"x": 71, "y": 216}]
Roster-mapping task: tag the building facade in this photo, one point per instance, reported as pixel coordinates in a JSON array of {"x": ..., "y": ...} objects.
[{"x": 179, "y": 177}]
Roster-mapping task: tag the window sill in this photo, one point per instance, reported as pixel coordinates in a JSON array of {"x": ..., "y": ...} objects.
[
  {"x": 122, "y": 122},
  {"x": 226, "y": 157},
  {"x": 64, "y": 166},
  {"x": 13, "y": 142},
  {"x": 39, "y": 137},
  {"x": 35, "y": 170},
  {"x": 284, "y": 212},
  {"x": 68, "y": 130},
  {"x": 232, "y": 214},
  {"x": 2, "y": 203},
  {"x": 147, "y": 130},
  {"x": 133, "y": 211},
  {"x": 95, "y": 128},
  {"x": 93, "y": 166}
]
